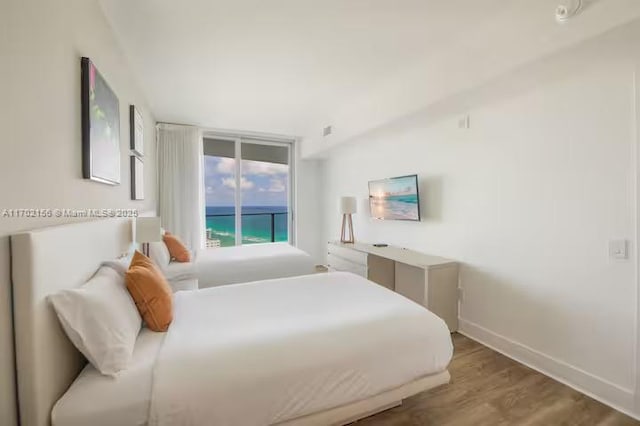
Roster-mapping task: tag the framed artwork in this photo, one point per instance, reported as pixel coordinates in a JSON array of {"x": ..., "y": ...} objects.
[
  {"x": 137, "y": 178},
  {"x": 137, "y": 131},
  {"x": 100, "y": 127}
]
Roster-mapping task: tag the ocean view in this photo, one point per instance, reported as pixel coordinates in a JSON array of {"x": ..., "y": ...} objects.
[{"x": 256, "y": 224}]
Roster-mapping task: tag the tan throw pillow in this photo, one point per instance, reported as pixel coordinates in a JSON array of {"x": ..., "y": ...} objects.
[
  {"x": 177, "y": 250},
  {"x": 151, "y": 292}
]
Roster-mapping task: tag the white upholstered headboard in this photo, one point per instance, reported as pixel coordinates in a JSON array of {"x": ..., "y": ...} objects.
[{"x": 45, "y": 261}]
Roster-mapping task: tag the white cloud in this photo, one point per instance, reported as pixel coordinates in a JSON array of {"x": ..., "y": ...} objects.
[
  {"x": 227, "y": 166},
  {"x": 231, "y": 183},
  {"x": 277, "y": 185},
  {"x": 265, "y": 169}
]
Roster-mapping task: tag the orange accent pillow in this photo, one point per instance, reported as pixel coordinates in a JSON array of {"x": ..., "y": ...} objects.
[
  {"x": 151, "y": 292},
  {"x": 177, "y": 250}
]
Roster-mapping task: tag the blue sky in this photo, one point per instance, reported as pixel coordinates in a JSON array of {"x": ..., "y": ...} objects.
[{"x": 263, "y": 184}]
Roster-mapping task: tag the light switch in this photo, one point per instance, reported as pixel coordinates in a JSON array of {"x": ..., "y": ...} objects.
[
  {"x": 618, "y": 249},
  {"x": 464, "y": 122}
]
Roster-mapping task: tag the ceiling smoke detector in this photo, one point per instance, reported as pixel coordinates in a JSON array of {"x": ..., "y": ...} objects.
[{"x": 568, "y": 10}]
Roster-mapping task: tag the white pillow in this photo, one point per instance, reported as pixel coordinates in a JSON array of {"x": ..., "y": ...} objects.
[
  {"x": 101, "y": 319},
  {"x": 120, "y": 265},
  {"x": 159, "y": 253}
]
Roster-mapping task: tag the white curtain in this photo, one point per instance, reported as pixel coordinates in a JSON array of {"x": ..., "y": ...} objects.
[{"x": 180, "y": 182}]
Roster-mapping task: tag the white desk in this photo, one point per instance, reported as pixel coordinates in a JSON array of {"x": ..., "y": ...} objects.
[{"x": 431, "y": 281}]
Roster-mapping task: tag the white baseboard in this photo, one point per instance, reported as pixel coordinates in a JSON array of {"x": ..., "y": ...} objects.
[{"x": 597, "y": 388}]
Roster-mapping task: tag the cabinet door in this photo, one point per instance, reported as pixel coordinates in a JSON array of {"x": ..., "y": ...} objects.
[
  {"x": 411, "y": 283},
  {"x": 443, "y": 294},
  {"x": 381, "y": 271}
]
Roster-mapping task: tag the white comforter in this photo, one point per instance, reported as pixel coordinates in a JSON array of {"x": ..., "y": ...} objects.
[
  {"x": 262, "y": 353},
  {"x": 252, "y": 262}
]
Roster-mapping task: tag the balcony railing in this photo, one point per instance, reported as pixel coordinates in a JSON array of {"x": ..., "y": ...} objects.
[{"x": 272, "y": 220}]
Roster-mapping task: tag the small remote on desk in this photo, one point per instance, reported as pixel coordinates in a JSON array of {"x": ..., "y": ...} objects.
[{"x": 381, "y": 245}]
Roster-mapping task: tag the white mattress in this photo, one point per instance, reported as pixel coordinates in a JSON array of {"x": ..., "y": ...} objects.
[
  {"x": 97, "y": 400},
  {"x": 253, "y": 262},
  {"x": 260, "y": 353}
]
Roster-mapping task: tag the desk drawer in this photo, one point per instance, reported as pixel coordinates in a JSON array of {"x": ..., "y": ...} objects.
[
  {"x": 348, "y": 254},
  {"x": 340, "y": 264}
]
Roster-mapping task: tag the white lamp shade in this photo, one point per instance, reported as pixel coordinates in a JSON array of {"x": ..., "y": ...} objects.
[
  {"x": 348, "y": 205},
  {"x": 148, "y": 230}
]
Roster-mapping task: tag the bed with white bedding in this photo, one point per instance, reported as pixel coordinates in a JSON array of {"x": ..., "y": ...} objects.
[
  {"x": 266, "y": 353},
  {"x": 313, "y": 350},
  {"x": 251, "y": 262}
]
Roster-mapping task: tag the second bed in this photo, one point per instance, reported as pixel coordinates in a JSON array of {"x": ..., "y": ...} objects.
[{"x": 252, "y": 262}]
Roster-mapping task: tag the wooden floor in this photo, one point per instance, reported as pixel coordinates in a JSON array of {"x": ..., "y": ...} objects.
[{"x": 490, "y": 389}]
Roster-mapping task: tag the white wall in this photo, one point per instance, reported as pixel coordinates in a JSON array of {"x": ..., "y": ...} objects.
[
  {"x": 40, "y": 160},
  {"x": 527, "y": 199},
  {"x": 308, "y": 215}
]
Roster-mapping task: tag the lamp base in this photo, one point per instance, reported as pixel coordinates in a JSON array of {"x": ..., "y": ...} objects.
[{"x": 346, "y": 233}]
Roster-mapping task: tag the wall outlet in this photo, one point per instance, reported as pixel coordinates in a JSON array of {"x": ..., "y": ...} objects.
[{"x": 619, "y": 249}]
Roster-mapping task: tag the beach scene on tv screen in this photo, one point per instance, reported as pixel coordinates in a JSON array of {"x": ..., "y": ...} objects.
[{"x": 395, "y": 198}]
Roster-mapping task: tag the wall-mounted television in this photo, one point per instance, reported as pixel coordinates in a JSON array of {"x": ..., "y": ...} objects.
[{"x": 395, "y": 198}]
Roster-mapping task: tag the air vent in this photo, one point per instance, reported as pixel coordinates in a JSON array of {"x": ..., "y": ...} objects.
[{"x": 327, "y": 131}]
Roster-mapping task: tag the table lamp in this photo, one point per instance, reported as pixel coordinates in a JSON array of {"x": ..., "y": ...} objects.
[
  {"x": 148, "y": 230},
  {"x": 348, "y": 206}
]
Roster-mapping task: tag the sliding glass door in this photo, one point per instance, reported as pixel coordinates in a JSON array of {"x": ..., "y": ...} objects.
[
  {"x": 220, "y": 197},
  {"x": 264, "y": 192},
  {"x": 247, "y": 191}
]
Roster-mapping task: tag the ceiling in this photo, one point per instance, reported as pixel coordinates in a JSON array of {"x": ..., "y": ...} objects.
[{"x": 291, "y": 66}]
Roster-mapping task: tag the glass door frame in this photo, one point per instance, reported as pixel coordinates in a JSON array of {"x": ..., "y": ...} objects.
[{"x": 238, "y": 139}]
